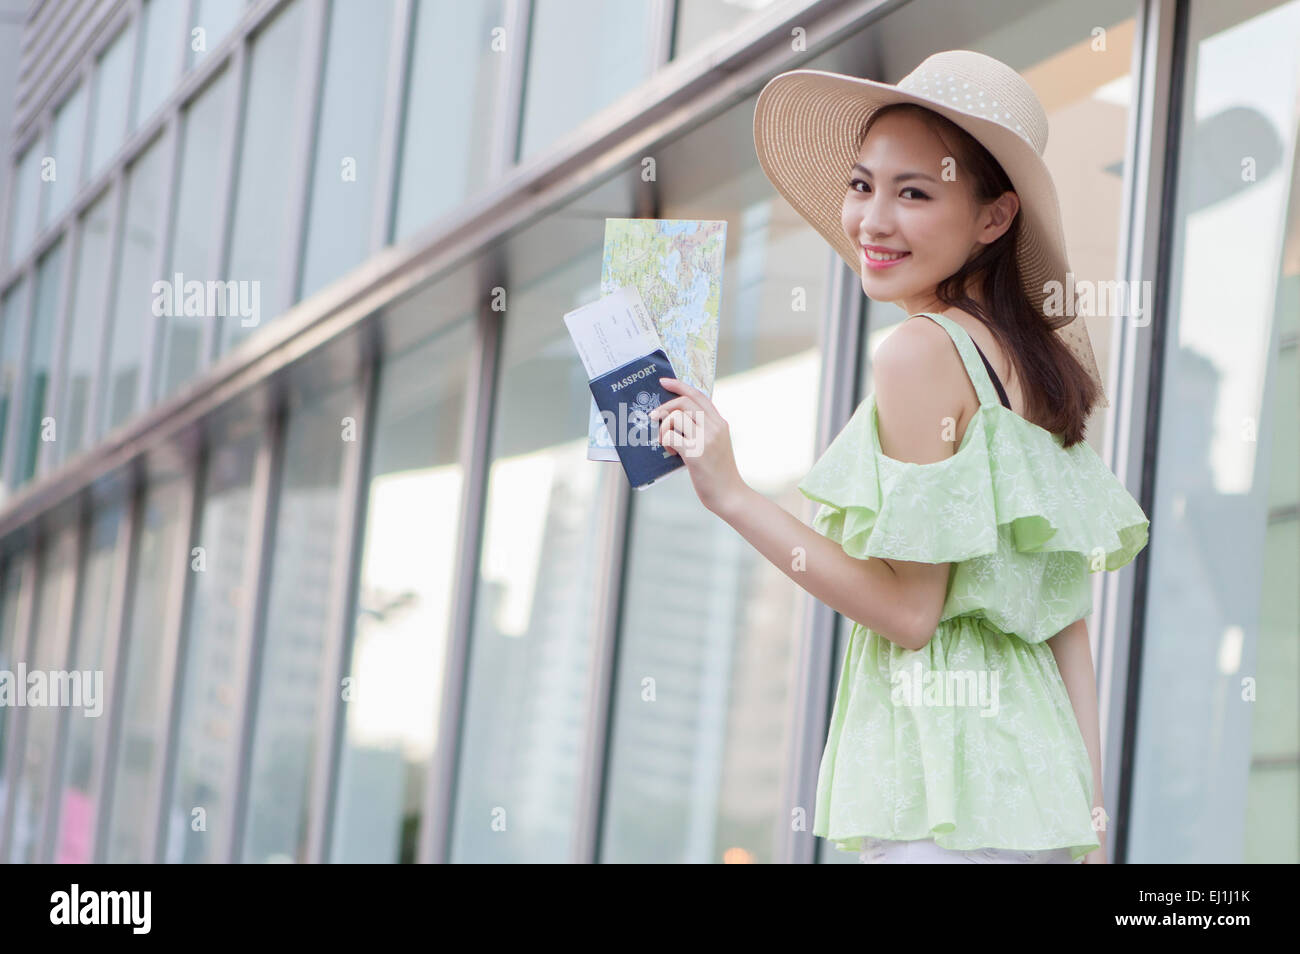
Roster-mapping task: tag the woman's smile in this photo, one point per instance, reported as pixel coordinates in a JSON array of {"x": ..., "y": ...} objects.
[{"x": 876, "y": 257}]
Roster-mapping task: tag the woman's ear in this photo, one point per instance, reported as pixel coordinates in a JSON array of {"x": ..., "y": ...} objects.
[{"x": 996, "y": 217}]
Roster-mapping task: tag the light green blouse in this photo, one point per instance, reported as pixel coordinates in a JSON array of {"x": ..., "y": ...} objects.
[{"x": 971, "y": 740}]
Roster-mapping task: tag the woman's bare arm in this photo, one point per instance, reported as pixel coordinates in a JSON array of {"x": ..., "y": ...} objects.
[
  {"x": 865, "y": 591},
  {"x": 919, "y": 380},
  {"x": 1074, "y": 660}
]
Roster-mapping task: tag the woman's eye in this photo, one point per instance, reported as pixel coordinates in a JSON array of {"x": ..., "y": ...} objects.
[{"x": 854, "y": 183}]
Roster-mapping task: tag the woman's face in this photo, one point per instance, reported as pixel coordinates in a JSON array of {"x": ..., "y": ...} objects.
[{"x": 912, "y": 198}]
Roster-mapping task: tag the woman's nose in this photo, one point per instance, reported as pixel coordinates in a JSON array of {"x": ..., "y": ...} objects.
[{"x": 877, "y": 219}]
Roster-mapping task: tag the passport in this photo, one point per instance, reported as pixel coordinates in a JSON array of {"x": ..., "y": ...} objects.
[{"x": 624, "y": 397}]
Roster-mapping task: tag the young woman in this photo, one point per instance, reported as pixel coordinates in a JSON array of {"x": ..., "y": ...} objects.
[{"x": 961, "y": 516}]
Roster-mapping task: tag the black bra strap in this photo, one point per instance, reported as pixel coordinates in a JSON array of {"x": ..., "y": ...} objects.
[{"x": 992, "y": 374}]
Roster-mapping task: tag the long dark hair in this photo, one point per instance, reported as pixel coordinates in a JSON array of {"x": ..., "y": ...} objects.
[{"x": 1059, "y": 393}]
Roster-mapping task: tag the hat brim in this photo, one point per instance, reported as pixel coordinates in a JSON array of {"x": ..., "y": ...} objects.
[{"x": 808, "y": 126}]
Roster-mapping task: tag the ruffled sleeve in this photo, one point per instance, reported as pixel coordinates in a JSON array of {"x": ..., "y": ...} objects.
[
  {"x": 1010, "y": 480},
  {"x": 876, "y": 506}
]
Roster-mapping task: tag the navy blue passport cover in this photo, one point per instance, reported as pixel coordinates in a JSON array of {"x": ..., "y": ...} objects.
[{"x": 625, "y": 397}]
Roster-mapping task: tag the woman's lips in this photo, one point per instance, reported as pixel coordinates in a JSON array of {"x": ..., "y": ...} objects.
[{"x": 872, "y": 263}]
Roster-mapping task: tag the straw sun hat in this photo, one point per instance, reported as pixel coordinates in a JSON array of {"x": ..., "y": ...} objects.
[{"x": 808, "y": 127}]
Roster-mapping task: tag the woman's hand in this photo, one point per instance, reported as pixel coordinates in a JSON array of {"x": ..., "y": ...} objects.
[{"x": 691, "y": 427}]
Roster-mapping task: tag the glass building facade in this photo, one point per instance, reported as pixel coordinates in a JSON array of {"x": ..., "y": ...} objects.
[{"x": 292, "y": 437}]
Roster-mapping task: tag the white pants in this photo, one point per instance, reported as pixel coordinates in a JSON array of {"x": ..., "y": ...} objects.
[{"x": 881, "y": 851}]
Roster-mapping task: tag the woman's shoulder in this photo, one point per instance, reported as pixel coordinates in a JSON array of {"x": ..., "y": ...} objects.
[
  {"x": 920, "y": 382},
  {"x": 918, "y": 353},
  {"x": 921, "y": 388}
]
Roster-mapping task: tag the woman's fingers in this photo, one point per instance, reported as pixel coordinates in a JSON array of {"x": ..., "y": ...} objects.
[
  {"x": 690, "y": 392},
  {"x": 679, "y": 425},
  {"x": 669, "y": 406}
]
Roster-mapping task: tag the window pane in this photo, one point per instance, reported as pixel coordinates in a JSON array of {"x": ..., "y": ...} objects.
[
  {"x": 216, "y": 18},
  {"x": 527, "y": 691},
  {"x": 112, "y": 91},
  {"x": 403, "y": 603},
  {"x": 208, "y": 726},
  {"x": 47, "y": 654},
  {"x": 10, "y": 585},
  {"x": 27, "y": 189},
  {"x": 286, "y": 743},
  {"x": 562, "y": 88},
  {"x": 162, "y": 560},
  {"x": 194, "y": 244},
  {"x": 701, "y": 22},
  {"x": 268, "y": 171},
  {"x": 347, "y": 142},
  {"x": 133, "y": 317},
  {"x": 446, "y": 139},
  {"x": 13, "y": 316},
  {"x": 40, "y": 354},
  {"x": 86, "y": 315},
  {"x": 87, "y": 732},
  {"x": 164, "y": 50},
  {"x": 699, "y": 774},
  {"x": 1217, "y": 774},
  {"x": 66, "y": 148}
]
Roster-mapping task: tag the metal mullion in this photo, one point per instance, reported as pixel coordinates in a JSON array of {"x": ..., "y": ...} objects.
[
  {"x": 44, "y": 137},
  {"x": 662, "y": 17},
  {"x": 191, "y": 14},
  {"x": 174, "y": 644},
  {"x": 6, "y": 209},
  {"x": 45, "y": 458},
  {"x": 87, "y": 78},
  {"x": 166, "y": 226},
  {"x": 70, "y": 638},
  {"x": 263, "y": 514},
  {"x": 176, "y": 113},
  {"x": 843, "y": 329},
  {"x": 434, "y": 834},
  {"x": 9, "y": 465},
  {"x": 354, "y": 495},
  {"x": 615, "y": 514},
  {"x": 210, "y": 344},
  {"x": 116, "y": 643},
  {"x": 510, "y": 89},
  {"x": 17, "y": 728},
  {"x": 136, "y": 16},
  {"x": 400, "y": 43},
  {"x": 1146, "y": 243},
  {"x": 99, "y": 380},
  {"x": 170, "y": 107},
  {"x": 304, "y": 143}
]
